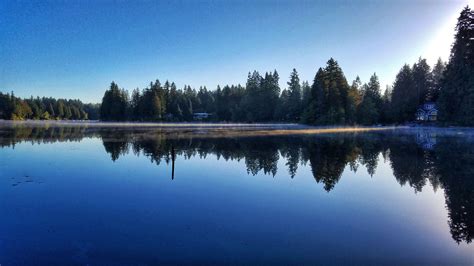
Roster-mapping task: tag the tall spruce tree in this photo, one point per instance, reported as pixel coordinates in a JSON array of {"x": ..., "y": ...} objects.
[
  {"x": 281, "y": 112},
  {"x": 306, "y": 95},
  {"x": 370, "y": 107},
  {"x": 354, "y": 99},
  {"x": 294, "y": 97},
  {"x": 386, "y": 109},
  {"x": 337, "y": 91},
  {"x": 437, "y": 75},
  {"x": 314, "y": 111},
  {"x": 456, "y": 101},
  {"x": 404, "y": 96},
  {"x": 252, "y": 95},
  {"x": 422, "y": 81},
  {"x": 114, "y": 104}
]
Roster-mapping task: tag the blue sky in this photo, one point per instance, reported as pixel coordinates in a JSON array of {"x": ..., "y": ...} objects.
[{"x": 74, "y": 49}]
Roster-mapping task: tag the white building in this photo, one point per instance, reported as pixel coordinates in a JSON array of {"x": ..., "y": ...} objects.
[
  {"x": 427, "y": 112},
  {"x": 201, "y": 116}
]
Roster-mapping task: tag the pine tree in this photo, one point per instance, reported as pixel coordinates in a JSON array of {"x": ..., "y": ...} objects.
[
  {"x": 353, "y": 101},
  {"x": 456, "y": 100},
  {"x": 251, "y": 101},
  {"x": 370, "y": 107},
  {"x": 293, "y": 103},
  {"x": 135, "y": 104},
  {"x": 114, "y": 104},
  {"x": 422, "y": 81},
  {"x": 314, "y": 112},
  {"x": 306, "y": 95},
  {"x": 281, "y": 112},
  {"x": 386, "y": 110},
  {"x": 329, "y": 97},
  {"x": 437, "y": 75},
  {"x": 404, "y": 96},
  {"x": 337, "y": 91},
  {"x": 268, "y": 95}
]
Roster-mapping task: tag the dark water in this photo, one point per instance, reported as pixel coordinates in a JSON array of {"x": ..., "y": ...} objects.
[{"x": 77, "y": 195}]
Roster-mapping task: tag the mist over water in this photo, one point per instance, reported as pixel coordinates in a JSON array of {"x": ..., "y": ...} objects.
[{"x": 78, "y": 194}]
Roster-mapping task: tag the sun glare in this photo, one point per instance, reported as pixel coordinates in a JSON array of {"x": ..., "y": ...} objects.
[{"x": 440, "y": 44}]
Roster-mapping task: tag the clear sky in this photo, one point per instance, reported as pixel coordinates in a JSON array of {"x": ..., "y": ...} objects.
[{"x": 74, "y": 49}]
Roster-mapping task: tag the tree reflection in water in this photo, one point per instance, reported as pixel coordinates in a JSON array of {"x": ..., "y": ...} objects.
[{"x": 445, "y": 162}]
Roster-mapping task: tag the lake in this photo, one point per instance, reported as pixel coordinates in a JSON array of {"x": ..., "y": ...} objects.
[{"x": 95, "y": 194}]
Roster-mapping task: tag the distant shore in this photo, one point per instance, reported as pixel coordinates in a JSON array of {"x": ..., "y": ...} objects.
[
  {"x": 97, "y": 123},
  {"x": 183, "y": 129}
]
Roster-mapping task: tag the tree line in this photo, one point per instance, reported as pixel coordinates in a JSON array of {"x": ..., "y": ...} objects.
[
  {"x": 15, "y": 108},
  {"x": 329, "y": 100}
]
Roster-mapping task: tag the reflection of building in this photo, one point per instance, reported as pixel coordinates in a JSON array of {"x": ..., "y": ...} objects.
[
  {"x": 427, "y": 112},
  {"x": 427, "y": 140},
  {"x": 169, "y": 116},
  {"x": 201, "y": 116}
]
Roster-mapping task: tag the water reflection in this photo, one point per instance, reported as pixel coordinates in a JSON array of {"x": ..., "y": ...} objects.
[{"x": 417, "y": 159}]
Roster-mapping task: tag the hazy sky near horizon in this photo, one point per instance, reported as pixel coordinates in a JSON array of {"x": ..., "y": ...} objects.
[{"x": 74, "y": 49}]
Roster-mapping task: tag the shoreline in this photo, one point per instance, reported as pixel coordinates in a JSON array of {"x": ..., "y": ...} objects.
[
  {"x": 227, "y": 130},
  {"x": 211, "y": 124},
  {"x": 222, "y": 125}
]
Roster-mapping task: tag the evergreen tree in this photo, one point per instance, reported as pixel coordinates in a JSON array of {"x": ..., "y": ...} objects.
[
  {"x": 337, "y": 91},
  {"x": 404, "y": 96},
  {"x": 437, "y": 75},
  {"x": 306, "y": 95},
  {"x": 456, "y": 100},
  {"x": 354, "y": 99},
  {"x": 268, "y": 97},
  {"x": 135, "y": 104},
  {"x": 114, "y": 104},
  {"x": 313, "y": 113},
  {"x": 329, "y": 96},
  {"x": 422, "y": 81},
  {"x": 281, "y": 112},
  {"x": 293, "y": 103},
  {"x": 370, "y": 107},
  {"x": 386, "y": 110},
  {"x": 251, "y": 99},
  {"x": 173, "y": 107}
]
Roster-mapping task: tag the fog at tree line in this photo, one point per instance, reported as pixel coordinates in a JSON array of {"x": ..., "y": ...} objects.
[{"x": 328, "y": 100}]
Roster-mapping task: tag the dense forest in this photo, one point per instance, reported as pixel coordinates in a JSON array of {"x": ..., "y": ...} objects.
[
  {"x": 14, "y": 108},
  {"x": 328, "y": 100}
]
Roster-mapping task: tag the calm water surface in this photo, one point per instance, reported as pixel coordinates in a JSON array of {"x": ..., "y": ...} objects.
[{"x": 84, "y": 195}]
